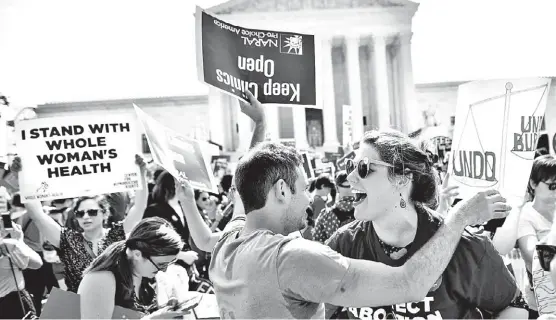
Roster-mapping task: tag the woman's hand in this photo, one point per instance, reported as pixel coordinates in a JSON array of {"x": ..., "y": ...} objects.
[
  {"x": 16, "y": 166},
  {"x": 188, "y": 256},
  {"x": 184, "y": 190},
  {"x": 141, "y": 163}
]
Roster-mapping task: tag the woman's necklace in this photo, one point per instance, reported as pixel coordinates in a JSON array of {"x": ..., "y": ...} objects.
[{"x": 392, "y": 251}]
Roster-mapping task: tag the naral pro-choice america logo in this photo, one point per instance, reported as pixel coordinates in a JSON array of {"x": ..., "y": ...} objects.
[{"x": 291, "y": 44}]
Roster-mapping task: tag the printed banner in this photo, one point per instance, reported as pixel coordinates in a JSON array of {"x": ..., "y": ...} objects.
[
  {"x": 180, "y": 156},
  {"x": 277, "y": 67},
  {"x": 67, "y": 157},
  {"x": 497, "y": 126}
]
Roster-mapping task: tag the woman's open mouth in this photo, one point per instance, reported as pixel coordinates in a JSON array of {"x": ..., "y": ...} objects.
[{"x": 360, "y": 196}]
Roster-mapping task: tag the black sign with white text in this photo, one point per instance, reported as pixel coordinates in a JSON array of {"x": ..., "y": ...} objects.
[{"x": 277, "y": 67}]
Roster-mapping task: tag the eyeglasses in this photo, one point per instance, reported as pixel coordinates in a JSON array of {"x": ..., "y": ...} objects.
[
  {"x": 363, "y": 166},
  {"x": 546, "y": 254},
  {"x": 551, "y": 185},
  {"x": 161, "y": 267},
  {"x": 90, "y": 212}
]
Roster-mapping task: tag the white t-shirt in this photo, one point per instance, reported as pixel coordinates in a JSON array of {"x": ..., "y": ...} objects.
[
  {"x": 532, "y": 223},
  {"x": 545, "y": 293}
]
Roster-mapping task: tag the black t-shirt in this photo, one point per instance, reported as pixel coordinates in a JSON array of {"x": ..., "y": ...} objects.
[{"x": 476, "y": 277}]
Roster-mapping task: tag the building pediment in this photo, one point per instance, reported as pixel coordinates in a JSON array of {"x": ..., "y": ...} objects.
[{"x": 247, "y": 6}]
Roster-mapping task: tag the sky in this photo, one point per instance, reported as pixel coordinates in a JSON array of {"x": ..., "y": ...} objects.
[{"x": 66, "y": 50}]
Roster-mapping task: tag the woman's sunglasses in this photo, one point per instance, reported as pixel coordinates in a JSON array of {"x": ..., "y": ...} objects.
[
  {"x": 551, "y": 185},
  {"x": 162, "y": 267},
  {"x": 546, "y": 254},
  {"x": 90, "y": 212},
  {"x": 363, "y": 166}
]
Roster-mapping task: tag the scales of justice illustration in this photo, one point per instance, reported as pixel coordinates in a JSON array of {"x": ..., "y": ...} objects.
[{"x": 496, "y": 136}]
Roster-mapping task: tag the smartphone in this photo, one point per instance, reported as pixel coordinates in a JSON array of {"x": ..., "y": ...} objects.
[
  {"x": 188, "y": 304},
  {"x": 7, "y": 221}
]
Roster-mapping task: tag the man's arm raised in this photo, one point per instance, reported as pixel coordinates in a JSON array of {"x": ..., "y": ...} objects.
[{"x": 340, "y": 281}]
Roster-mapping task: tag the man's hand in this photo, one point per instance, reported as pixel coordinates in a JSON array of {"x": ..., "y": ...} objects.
[
  {"x": 482, "y": 207},
  {"x": 253, "y": 109}
]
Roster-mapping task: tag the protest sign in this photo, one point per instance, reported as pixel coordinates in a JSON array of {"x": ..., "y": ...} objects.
[
  {"x": 326, "y": 169},
  {"x": 277, "y": 67},
  {"x": 341, "y": 163},
  {"x": 66, "y": 157},
  {"x": 495, "y": 136},
  {"x": 288, "y": 142},
  {"x": 180, "y": 156}
]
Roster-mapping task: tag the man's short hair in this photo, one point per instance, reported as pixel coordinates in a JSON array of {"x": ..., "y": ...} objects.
[{"x": 261, "y": 168}]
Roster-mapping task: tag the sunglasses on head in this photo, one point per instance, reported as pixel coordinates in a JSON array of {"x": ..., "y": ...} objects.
[
  {"x": 545, "y": 253},
  {"x": 551, "y": 185},
  {"x": 363, "y": 166},
  {"x": 90, "y": 212}
]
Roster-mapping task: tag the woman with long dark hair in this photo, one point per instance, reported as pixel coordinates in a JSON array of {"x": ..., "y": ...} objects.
[
  {"x": 395, "y": 185},
  {"x": 123, "y": 275}
]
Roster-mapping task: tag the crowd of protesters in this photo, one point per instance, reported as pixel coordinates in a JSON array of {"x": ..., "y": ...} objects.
[{"x": 384, "y": 238}]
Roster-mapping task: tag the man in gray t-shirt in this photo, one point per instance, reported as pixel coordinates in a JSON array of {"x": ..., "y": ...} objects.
[{"x": 260, "y": 272}]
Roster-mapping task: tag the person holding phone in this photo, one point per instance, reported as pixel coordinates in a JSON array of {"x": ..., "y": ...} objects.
[
  {"x": 15, "y": 256},
  {"x": 124, "y": 274}
]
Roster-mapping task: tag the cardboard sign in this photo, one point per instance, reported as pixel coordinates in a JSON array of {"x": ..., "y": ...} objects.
[
  {"x": 277, "y": 67},
  {"x": 180, "y": 156},
  {"x": 497, "y": 126},
  {"x": 67, "y": 157}
]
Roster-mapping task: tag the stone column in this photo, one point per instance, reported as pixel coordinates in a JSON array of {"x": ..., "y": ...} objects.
[
  {"x": 381, "y": 82},
  {"x": 216, "y": 125},
  {"x": 354, "y": 78},
  {"x": 272, "y": 122},
  {"x": 328, "y": 105},
  {"x": 244, "y": 126},
  {"x": 412, "y": 117},
  {"x": 300, "y": 127}
]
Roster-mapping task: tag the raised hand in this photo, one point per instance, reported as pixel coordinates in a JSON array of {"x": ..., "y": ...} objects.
[
  {"x": 253, "y": 109},
  {"x": 184, "y": 190},
  {"x": 447, "y": 195},
  {"x": 482, "y": 207},
  {"x": 141, "y": 163},
  {"x": 16, "y": 165}
]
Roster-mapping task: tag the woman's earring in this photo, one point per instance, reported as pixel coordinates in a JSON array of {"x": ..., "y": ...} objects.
[{"x": 402, "y": 202}]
